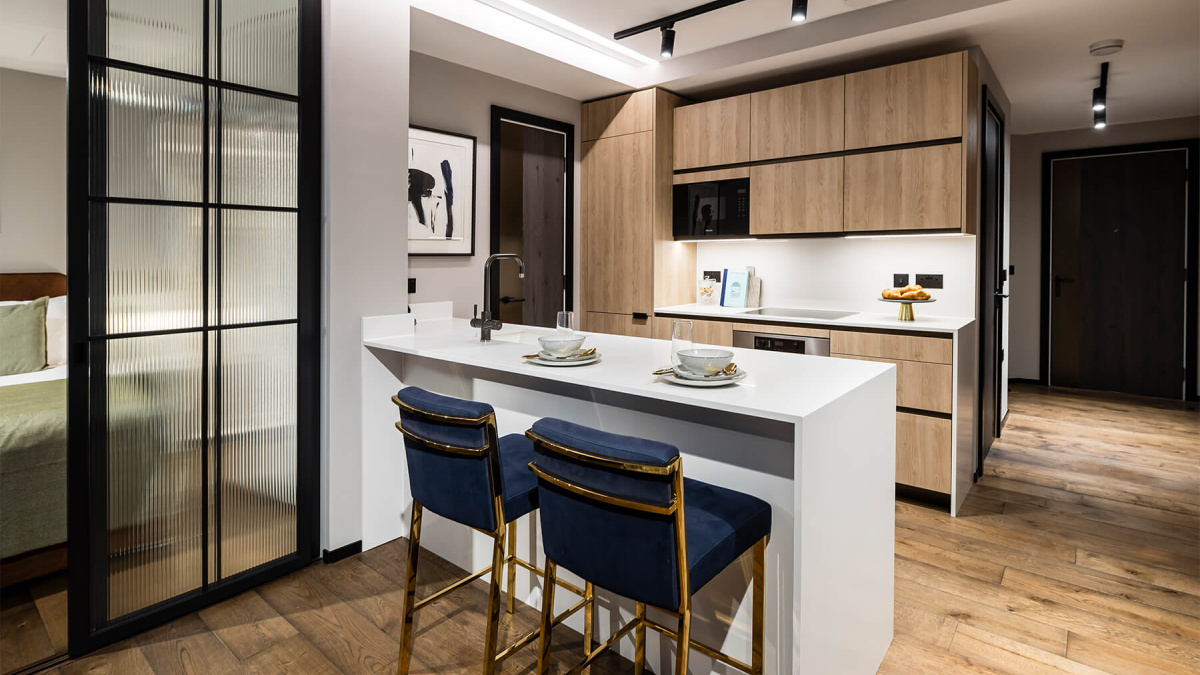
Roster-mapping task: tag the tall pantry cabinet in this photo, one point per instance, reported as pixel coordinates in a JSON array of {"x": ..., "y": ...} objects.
[{"x": 629, "y": 261}]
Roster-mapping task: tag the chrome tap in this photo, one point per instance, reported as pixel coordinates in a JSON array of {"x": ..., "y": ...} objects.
[{"x": 486, "y": 324}]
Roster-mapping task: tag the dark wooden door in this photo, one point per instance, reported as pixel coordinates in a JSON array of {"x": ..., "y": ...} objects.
[
  {"x": 1117, "y": 272},
  {"x": 532, "y": 223},
  {"x": 991, "y": 285}
]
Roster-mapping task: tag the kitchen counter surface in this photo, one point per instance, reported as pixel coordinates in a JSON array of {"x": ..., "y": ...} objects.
[
  {"x": 881, "y": 320},
  {"x": 783, "y": 387}
]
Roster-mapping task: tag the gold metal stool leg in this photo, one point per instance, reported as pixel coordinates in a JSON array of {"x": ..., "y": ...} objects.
[
  {"x": 758, "y": 623},
  {"x": 589, "y": 621},
  {"x": 512, "y": 566},
  {"x": 410, "y": 590},
  {"x": 639, "y": 640},
  {"x": 493, "y": 616},
  {"x": 684, "y": 648},
  {"x": 548, "y": 582}
]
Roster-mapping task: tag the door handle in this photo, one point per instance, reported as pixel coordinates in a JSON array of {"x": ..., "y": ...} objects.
[
  {"x": 998, "y": 294},
  {"x": 1058, "y": 282},
  {"x": 507, "y": 299}
]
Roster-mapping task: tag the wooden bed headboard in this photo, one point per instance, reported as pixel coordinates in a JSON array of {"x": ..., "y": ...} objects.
[{"x": 31, "y": 286}]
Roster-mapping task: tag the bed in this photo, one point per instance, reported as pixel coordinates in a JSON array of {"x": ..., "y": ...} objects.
[{"x": 33, "y": 452}]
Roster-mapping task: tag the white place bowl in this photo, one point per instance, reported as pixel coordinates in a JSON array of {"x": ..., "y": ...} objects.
[
  {"x": 561, "y": 345},
  {"x": 705, "y": 361}
]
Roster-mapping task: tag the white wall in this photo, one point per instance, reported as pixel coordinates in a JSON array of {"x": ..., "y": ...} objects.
[
  {"x": 451, "y": 97},
  {"x": 1026, "y": 219},
  {"x": 366, "y": 168},
  {"x": 850, "y": 273},
  {"x": 33, "y": 172}
]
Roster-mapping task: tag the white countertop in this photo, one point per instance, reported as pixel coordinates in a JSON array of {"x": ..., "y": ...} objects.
[
  {"x": 784, "y": 387},
  {"x": 887, "y": 320}
]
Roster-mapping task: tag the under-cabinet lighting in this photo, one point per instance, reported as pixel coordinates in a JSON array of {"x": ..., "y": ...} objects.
[
  {"x": 923, "y": 235},
  {"x": 708, "y": 240}
]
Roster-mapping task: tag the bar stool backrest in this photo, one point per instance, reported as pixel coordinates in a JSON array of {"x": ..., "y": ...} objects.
[
  {"x": 453, "y": 465},
  {"x": 610, "y": 509}
]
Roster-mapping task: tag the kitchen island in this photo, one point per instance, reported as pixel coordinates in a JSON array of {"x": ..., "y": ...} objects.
[{"x": 814, "y": 437}]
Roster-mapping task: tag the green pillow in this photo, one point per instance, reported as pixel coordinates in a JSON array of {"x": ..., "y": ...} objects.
[{"x": 23, "y": 337}]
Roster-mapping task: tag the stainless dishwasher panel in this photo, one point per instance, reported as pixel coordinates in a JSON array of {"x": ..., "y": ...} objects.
[{"x": 791, "y": 344}]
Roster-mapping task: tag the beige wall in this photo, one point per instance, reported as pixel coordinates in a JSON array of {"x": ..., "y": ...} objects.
[
  {"x": 1026, "y": 219},
  {"x": 33, "y": 172},
  {"x": 455, "y": 98}
]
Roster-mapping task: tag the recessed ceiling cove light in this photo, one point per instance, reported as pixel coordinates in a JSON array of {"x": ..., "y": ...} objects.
[{"x": 1106, "y": 47}]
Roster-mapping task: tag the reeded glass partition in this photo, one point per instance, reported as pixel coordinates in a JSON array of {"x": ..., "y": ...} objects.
[{"x": 200, "y": 341}]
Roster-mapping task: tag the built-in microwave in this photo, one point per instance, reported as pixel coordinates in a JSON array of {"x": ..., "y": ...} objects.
[{"x": 719, "y": 208}]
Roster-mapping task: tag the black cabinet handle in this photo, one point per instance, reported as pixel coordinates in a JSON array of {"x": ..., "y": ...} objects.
[
  {"x": 507, "y": 299},
  {"x": 1058, "y": 282}
]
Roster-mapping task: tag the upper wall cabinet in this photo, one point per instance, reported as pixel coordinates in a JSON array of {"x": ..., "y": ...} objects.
[
  {"x": 908, "y": 189},
  {"x": 713, "y": 133},
  {"x": 906, "y": 103},
  {"x": 619, "y": 115},
  {"x": 803, "y": 119},
  {"x": 803, "y": 197}
]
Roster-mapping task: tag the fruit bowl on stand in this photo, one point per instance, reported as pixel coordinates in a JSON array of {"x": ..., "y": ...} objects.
[{"x": 906, "y": 310}]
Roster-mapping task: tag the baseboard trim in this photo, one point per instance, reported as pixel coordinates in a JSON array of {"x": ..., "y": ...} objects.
[
  {"x": 1024, "y": 380},
  {"x": 341, "y": 553}
]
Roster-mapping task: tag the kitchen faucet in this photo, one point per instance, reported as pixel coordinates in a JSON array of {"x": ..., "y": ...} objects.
[{"x": 486, "y": 324}]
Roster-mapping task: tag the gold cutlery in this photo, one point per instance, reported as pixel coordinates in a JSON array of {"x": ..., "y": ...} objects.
[
  {"x": 583, "y": 354},
  {"x": 730, "y": 369}
]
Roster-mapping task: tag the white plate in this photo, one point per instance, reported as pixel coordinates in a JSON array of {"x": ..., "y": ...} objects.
[
  {"x": 907, "y": 302},
  {"x": 558, "y": 363},
  {"x": 547, "y": 356},
  {"x": 707, "y": 382},
  {"x": 681, "y": 372}
]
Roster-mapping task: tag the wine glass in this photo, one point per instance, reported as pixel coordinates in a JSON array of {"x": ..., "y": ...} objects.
[
  {"x": 681, "y": 339},
  {"x": 566, "y": 322}
]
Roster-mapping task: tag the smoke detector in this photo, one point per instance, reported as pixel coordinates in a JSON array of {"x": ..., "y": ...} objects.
[{"x": 1106, "y": 47}]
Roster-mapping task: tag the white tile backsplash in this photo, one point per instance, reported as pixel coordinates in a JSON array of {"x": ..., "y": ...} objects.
[{"x": 850, "y": 273}]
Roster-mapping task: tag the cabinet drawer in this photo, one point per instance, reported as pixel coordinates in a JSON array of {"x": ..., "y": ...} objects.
[
  {"x": 719, "y": 333},
  {"x": 923, "y": 386},
  {"x": 617, "y": 324},
  {"x": 900, "y": 347},
  {"x": 923, "y": 452}
]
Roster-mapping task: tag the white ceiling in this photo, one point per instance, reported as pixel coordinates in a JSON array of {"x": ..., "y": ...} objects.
[
  {"x": 1038, "y": 49},
  {"x": 33, "y": 36}
]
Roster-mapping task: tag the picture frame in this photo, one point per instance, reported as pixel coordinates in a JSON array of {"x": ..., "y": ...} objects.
[{"x": 440, "y": 209}]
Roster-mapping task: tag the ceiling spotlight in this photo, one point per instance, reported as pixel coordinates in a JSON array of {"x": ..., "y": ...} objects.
[
  {"x": 1099, "y": 119},
  {"x": 1098, "y": 98},
  {"x": 799, "y": 10},
  {"x": 668, "y": 41}
]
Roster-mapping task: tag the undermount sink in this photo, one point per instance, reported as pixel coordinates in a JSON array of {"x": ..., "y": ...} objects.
[{"x": 790, "y": 313}]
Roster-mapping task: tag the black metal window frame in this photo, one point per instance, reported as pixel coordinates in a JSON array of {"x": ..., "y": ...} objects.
[{"x": 86, "y": 470}]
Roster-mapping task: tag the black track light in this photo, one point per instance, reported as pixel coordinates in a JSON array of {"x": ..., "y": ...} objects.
[
  {"x": 1098, "y": 98},
  {"x": 668, "y": 41},
  {"x": 1099, "y": 119},
  {"x": 799, "y": 10}
]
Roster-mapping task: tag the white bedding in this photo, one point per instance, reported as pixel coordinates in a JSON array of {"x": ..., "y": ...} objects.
[{"x": 46, "y": 375}]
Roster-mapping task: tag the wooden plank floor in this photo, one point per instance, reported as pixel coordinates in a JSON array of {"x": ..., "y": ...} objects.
[{"x": 1078, "y": 552}]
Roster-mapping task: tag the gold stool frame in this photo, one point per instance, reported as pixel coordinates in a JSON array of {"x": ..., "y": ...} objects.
[
  {"x": 639, "y": 624},
  {"x": 504, "y": 535}
]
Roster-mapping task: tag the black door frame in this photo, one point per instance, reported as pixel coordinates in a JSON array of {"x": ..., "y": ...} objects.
[
  {"x": 1192, "y": 147},
  {"x": 987, "y": 297},
  {"x": 499, "y": 115},
  {"x": 86, "y": 546}
]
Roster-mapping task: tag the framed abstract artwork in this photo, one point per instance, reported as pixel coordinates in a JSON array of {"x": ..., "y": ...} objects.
[{"x": 441, "y": 193}]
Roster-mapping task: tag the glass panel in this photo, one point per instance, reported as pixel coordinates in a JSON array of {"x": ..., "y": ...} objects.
[
  {"x": 155, "y": 274},
  {"x": 152, "y": 129},
  {"x": 259, "y": 39},
  {"x": 167, "y": 34},
  {"x": 259, "y": 150},
  {"x": 258, "y": 446},
  {"x": 258, "y": 262},
  {"x": 154, "y": 469}
]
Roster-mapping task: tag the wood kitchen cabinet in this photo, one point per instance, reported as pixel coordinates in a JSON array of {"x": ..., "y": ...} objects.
[
  {"x": 719, "y": 333},
  {"x": 712, "y": 133},
  {"x": 924, "y": 452},
  {"x": 800, "y": 197},
  {"x": 629, "y": 262},
  {"x": 910, "y": 189},
  {"x": 803, "y": 119},
  {"x": 906, "y": 103}
]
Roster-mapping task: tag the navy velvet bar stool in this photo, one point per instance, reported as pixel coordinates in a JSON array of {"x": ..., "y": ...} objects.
[
  {"x": 613, "y": 512},
  {"x": 459, "y": 469}
]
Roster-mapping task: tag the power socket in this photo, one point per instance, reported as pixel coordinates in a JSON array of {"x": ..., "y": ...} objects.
[
  {"x": 899, "y": 280},
  {"x": 929, "y": 280}
]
